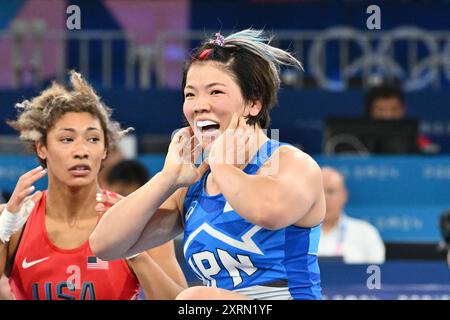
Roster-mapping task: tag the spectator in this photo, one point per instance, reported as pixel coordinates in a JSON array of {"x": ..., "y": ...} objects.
[
  {"x": 355, "y": 240},
  {"x": 387, "y": 102},
  {"x": 124, "y": 177},
  {"x": 444, "y": 224},
  {"x": 127, "y": 176},
  {"x": 114, "y": 157}
]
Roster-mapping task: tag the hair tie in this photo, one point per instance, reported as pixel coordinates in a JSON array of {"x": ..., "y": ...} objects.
[{"x": 219, "y": 40}]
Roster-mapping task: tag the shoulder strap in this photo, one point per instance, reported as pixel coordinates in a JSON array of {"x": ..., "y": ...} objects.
[{"x": 264, "y": 153}]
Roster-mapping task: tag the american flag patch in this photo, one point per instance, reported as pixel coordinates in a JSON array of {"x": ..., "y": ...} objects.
[{"x": 94, "y": 263}]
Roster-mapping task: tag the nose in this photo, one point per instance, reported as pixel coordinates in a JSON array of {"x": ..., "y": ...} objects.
[
  {"x": 201, "y": 105},
  {"x": 81, "y": 151}
]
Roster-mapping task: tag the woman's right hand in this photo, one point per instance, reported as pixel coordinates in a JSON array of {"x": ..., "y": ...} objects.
[
  {"x": 24, "y": 188},
  {"x": 184, "y": 149}
]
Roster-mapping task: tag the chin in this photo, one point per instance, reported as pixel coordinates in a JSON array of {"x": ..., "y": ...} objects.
[{"x": 80, "y": 182}]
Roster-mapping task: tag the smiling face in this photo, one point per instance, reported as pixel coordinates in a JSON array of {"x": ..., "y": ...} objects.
[
  {"x": 75, "y": 149},
  {"x": 211, "y": 97}
]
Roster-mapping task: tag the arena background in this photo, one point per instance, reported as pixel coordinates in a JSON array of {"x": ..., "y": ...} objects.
[{"x": 132, "y": 52}]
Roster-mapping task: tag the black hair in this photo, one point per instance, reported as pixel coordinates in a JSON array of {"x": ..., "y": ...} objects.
[
  {"x": 385, "y": 90},
  {"x": 444, "y": 225},
  {"x": 128, "y": 171},
  {"x": 252, "y": 62}
]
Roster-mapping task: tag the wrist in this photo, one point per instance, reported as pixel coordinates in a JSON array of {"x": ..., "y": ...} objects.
[
  {"x": 8, "y": 224},
  {"x": 12, "y": 222},
  {"x": 171, "y": 177}
]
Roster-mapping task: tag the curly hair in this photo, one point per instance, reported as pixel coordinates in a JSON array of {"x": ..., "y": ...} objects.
[{"x": 38, "y": 116}]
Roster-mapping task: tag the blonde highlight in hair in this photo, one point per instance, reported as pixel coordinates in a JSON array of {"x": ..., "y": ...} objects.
[
  {"x": 36, "y": 117},
  {"x": 253, "y": 62}
]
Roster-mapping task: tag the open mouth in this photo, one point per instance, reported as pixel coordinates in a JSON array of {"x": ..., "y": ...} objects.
[
  {"x": 207, "y": 125},
  {"x": 209, "y": 129},
  {"x": 80, "y": 170}
]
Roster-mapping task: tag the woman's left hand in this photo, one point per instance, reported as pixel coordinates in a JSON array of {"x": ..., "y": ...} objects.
[
  {"x": 106, "y": 199},
  {"x": 235, "y": 145}
]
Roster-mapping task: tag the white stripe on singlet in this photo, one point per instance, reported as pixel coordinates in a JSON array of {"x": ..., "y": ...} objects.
[{"x": 265, "y": 293}]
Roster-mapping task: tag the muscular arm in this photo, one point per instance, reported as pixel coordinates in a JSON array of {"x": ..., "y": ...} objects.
[
  {"x": 159, "y": 273},
  {"x": 276, "y": 200},
  {"x": 144, "y": 219}
]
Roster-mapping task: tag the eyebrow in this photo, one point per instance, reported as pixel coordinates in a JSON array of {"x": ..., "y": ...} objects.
[
  {"x": 73, "y": 130},
  {"x": 207, "y": 86}
]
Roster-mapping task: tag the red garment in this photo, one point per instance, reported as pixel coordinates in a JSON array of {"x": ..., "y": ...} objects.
[{"x": 42, "y": 271}]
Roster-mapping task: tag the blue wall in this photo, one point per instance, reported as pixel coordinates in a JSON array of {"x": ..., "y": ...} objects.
[
  {"x": 299, "y": 116},
  {"x": 316, "y": 15},
  {"x": 402, "y": 196}
]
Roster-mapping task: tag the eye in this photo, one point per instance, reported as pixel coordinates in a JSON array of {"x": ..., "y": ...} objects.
[
  {"x": 66, "y": 140},
  {"x": 188, "y": 94},
  {"x": 94, "y": 139},
  {"x": 215, "y": 92}
]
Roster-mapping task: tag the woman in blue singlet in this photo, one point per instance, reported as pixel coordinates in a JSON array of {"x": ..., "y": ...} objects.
[{"x": 251, "y": 211}]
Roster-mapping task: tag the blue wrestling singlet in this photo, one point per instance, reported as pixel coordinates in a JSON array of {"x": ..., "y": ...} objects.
[{"x": 226, "y": 251}]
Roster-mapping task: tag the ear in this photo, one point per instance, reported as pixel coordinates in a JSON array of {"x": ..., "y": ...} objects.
[
  {"x": 105, "y": 154},
  {"x": 253, "y": 108},
  {"x": 345, "y": 196},
  {"x": 41, "y": 150}
]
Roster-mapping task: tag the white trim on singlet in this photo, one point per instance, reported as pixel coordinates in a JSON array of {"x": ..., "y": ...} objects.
[{"x": 265, "y": 293}]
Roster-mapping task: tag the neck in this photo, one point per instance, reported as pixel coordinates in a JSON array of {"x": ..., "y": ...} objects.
[
  {"x": 70, "y": 203},
  {"x": 251, "y": 151},
  {"x": 329, "y": 224}
]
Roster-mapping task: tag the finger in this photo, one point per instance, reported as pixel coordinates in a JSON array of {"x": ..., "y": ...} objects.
[
  {"x": 252, "y": 144},
  {"x": 33, "y": 178},
  {"x": 108, "y": 198},
  {"x": 24, "y": 193},
  {"x": 202, "y": 168},
  {"x": 31, "y": 172},
  {"x": 183, "y": 132},
  {"x": 242, "y": 122},
  {"x": 196, "y": 152},
  {"x": 190, "y": 130},
  {"x": 234, "y": 122},
  {"x": 100, "y": 208},
  {"x": 36, "y": 197},
  {"x": 176, "y": 137},
  {"x": 16, "y": 201}
]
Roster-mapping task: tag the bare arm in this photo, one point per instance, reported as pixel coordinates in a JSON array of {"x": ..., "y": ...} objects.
[
  {"x": 159, "y": 273},
  {"x": 149, "y": 216},
  {"x": 124, "y": 223},
  {"x": 276, "y": 200},
  {"x": 3, "y": 256},
  {"x": 19, "y": 198}
]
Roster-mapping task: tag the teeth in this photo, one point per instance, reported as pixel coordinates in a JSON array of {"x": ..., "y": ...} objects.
[
  {"x": 80, "y": 168},
  {"x": 201, "y": 124}
]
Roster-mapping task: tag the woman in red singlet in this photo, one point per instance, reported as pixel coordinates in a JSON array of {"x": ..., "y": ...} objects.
[{"x": 44, "y": 247}]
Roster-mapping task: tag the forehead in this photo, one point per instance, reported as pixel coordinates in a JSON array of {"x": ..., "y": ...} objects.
[
  {"x": 77, "y": 120},
  {"x": 205, "y": 72},
  {"x": 332, "y": 178},
  {"x": 387, "y": 103}
]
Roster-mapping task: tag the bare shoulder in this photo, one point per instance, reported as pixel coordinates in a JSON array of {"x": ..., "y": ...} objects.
[{"x": 289, "y": 159}]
